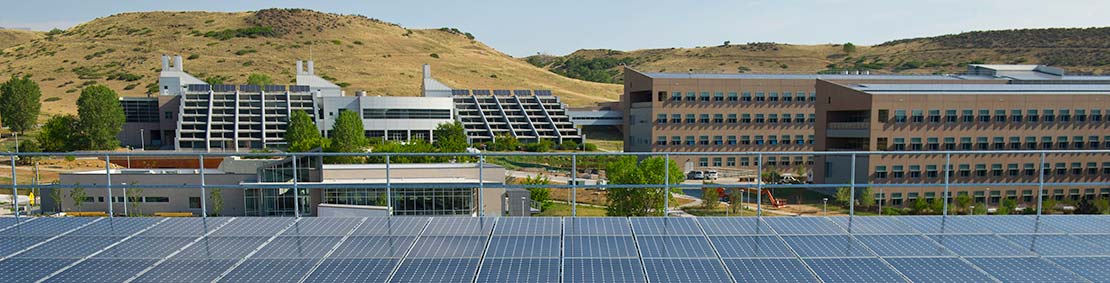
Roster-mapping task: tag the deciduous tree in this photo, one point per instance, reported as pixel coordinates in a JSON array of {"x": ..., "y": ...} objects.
[
  {"x": 302, "y": 134},
  {"x": 100, "y": 118},
  {"x": 347, "y": 136},
  {"x": 19, "y": 103},
  {"x": 639, "y": 201}
]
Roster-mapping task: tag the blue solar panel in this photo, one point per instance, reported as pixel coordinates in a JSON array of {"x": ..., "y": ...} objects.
[
  {"x": 184, "y": 226},
  {"x": 938, "y": 270},
  {"x": 297, "y": 247},
  {"x": 602, "y": 270},
  {"x": 1024, "y": 269},
  {"x": 353, "y": 270},
  {"x": 322, "y": 226},
  {"x": 980, "y": 245},
  {"x": 146, "y": 247},
  {"x": 853, "y": 270},
  {"x": 1012, "y": 224},
  {"x": 525, "y": 226},
  {"x": 827, "y": 246},
  {"x": 599, "y": 246},
  {"x": 381, "y": 226},
  {"x": 449, "y": 246},
  {"x": 903, "y": 245},
  {"x": 31, "y": 269},
  {"x": 460, "y": 226},
  {"x": 675, "y": 247},
  {"x": 11, "y": 244},
  {"x": 117, "y": 226},
  {"x": 1075, "y": 223},
  {"x": 70, "y": 247},
  {"x": 734, "y": 226},
  {"x": 771, "y": 270},
  {"x": 222, "y": 247},
  {"x": 47, "y": 226},
  {"x": 270, "y": 270},
  {"x": 665, "y": 226},
  {"x": 751, "y": 246},
  {"x": 1058, "y": 245},
  {"x": 873, "y": 225},
  {"x": 187, "y": 270},
  {"x": 103, "y": 270},
  {"x": 597, "y": 226},
  {"x": 254, "y": 226},
  {"x": 519, "y": 270},
  {"x": 803, "y": 225},
  {"x": 374, "y": 247},
  {"x": 523, "y": 246},
  {"x": 439, "y": 270},
  {"x": 685, "y": 270},
  {"x": 1092, "y": 268},
  {"x": 939, "y": 224}
]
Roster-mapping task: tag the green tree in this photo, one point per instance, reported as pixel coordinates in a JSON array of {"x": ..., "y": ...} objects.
[
  {"x": 100, "y": 118},
  {"x": 843, "y": 196},
  {"x": 58, "y": 134},
  {"x": 710, "y": 197},
  {"x": 302, "y": 134},
  {"x": 78, "y": 196},
  {"x": 1085, "y": 206},
  {"x": 28, "y": 146},
  {"x": 347, "y": 136},
  {"x": 920, "y": 206},
  {"x": 216, "y": 196},
  {"x": 735, "y": 200},
  {"x": 259, "y": 80},
  {"x": 1007, "y": 206},
  {"x": 541, "y": 146},
  {"x": 569, "y": 145},
  {"x": 450, "y": 137},
  {"x": 539, "y": 194},
  {"x": 980, "y": 209},
  {"x": 937, "y": 205},
  {"x": 505, "y": 142},
  {"x": 867, "y": 199},
  {"x": 1103, "y": 205},
  {"x": 134, "y": 197},
  {"x": 1049, "y": 205},
  {"x": 56, "y": 197},
  {"x": 963, "y": 201},
  {"x": 19, "y": 103},
  {"x": 639, "y": 202},
  {"x": 849, "y": 48}
]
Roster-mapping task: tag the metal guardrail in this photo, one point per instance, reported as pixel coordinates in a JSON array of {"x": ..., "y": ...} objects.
[{"x": 573, "y": 185}]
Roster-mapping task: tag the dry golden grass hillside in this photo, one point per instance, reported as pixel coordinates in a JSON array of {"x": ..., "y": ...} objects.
[
  {"x": 13, "y": 37},
  {"x": 1077, "y": 50},
  {"x": 123, "y": 51}
]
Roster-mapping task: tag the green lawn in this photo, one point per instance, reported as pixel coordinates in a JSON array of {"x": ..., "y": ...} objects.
[
  {"x": 719, "y": 211},
  {"x": 562, "y": 209}
]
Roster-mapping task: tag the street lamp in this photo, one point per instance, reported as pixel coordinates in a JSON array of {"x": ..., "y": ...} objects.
[
  {"x": 971, "y": 211},
  {"x": 987, "y": 199},
  {"x": 825, "y": 205}
]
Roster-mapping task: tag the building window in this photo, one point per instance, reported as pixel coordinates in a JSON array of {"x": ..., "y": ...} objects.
[
  {"x": 1080, "y": 115},
  {"x": 746, "y": 118},
  {"x": 745, "y": 140},
  {"x": 1012, "y": 169},
  {"x": 899, "y": 116},
  {"x": 773, "y": 97},
  {"x": 915, "y": 144},
  {"x": 732, "y": 140},
  {"x": 899, "y": 144},
  {"x": 716, "y": 162},
  {"x": 1000, "y": 115},
  {"x": 747, "y": 97},
  {"x": 980, "y": 170},
  {"x": 745, "y": 161},
  {"x": 759, "y": 97},
  {"x": 772, "y": 118},
  {"x": 690, "y": 119},
  {"x": 705, "y": 96},
  {"x": 759, "y": 119},
  {"x": 1032, "y": 115},
  {"x": 1062, "y": 142},
  {"x": 1030, "y": 142},
  {"x": 1029, "y": 169},
  {"x": 731, "y": 119},
  {"x": 661, "y": 96},
  {"x": 194, "y": 202},
  {"x": 676, "y": 96},
  {"x": 965, "y": 143},
  {"x": 984, "y": 115},
  {"x": 999, "y": 143},
  {"x": 718, "y": 140},
  {"x": 730, "y": 162},
  {"x": 661, "y": 140},
  {"x": 732, "y": 97},
  {"x": 718, "y": 118},
  {"x": 931, "y": 171},
  {"x": 949, "y": 143},
  {"x": 676, "y": 118},
  {"x": 690, "y": 140},
  {"x": 934, "y": 144},
  {"x": 996, "y": 170},
  {"x": 1015, "y": 115},
  {"x": 661, "y": 119},
  {"x": 168, "y": 115},
  {"x": 1096, "y": 115},
  {"x": 950, "y": 115},
  {"x": 1015, "y": 143},
  {"x": 758, "y": 140},
  {"x": 981, "y": 143},
  {"x": 965, "y": 170},
  {"x": 1065, "y": 115},
  {"x": 968, "y": 116},
  {"x": 880, "y": 172},
  {"x": 915, "y": 171},
  {"x": 1049, "y": 115},
  {"x": 934, "y": 115},
  {"x": 918, "y": 116},
  {"x": 703, "y": 118},
  {"x": 1046, "y": 142},
  {"x": 787, "y": 97},
  {"x": 786, "y": 118},
  {"x": 676, "y": 140},
  {"x": 703, "y": 162},
  {"x": 718, "y": 96},
  {"x": 691, "y": 96},
  {"x": 703, "y": 140}
]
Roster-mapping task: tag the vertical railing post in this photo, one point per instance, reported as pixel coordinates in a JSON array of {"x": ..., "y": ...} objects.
[
  {"x": 296, "y": 190},
  {"x": 388, "y": 188},
  {"x": 203, "y": 188},
  {"x": 759, "y": 185},
  {"x": 481, "y": 182},
  {"x": 666, "y": 182},
  {"x": 852, "y": 190},
  {"x": 1040, "y": 188},
  {"x": 574, "y": 184},
  {"x": 15, "y": 192},
  {"x": 947, "y": 173},
  {"x": 108, "y": 176}
]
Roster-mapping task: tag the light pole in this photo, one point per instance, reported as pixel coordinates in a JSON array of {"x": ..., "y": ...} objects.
[
  {"x": 142, "y": 140},
  {"x": 971, "y": 210},
  {"x": 987, "y": 199},
  {"x": 825, "y": 205}
]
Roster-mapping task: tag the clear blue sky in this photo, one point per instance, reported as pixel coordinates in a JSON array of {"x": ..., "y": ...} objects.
[{"x": 558, "y": 27}]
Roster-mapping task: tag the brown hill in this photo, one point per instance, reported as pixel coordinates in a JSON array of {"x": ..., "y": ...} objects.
[
  {"x": 360, "y": 53},
  {"x": 1077, "y": 50},
  {"x": 13, "y": 37}
]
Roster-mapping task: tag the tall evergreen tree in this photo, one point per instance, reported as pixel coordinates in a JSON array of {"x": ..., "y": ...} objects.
[
  {"x": 100, "y": 118},
  {"x": 348, "y": 136},
  {"x": 302, "y": 134},
  {"x": 19, "y": 103}
]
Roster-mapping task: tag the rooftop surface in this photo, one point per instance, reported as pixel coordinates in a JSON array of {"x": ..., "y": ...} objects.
[
  {"x": 1017, "y": 89},
  {"x": 1067, "y": 248}
]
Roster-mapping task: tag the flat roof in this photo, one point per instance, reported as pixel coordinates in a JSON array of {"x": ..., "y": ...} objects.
[
  {"x": 1016, "y": 89},
  {"x": 150, "y": 172},
  {"x": 797, "y": 76},
  {"x": 407, "y": 166}
]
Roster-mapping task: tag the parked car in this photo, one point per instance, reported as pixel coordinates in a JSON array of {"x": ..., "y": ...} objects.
[
  {"x": 695, "y": 175},
  {"x": 711, "y": 175}
]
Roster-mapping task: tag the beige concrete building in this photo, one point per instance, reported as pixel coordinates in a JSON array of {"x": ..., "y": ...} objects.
[{"x": 956, "y": 116}]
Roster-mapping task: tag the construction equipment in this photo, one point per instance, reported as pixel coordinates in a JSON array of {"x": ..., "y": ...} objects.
[{"x": 775, "y": 203}]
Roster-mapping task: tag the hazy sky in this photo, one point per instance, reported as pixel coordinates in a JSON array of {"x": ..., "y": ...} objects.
[{"x": 559, "y": 27}]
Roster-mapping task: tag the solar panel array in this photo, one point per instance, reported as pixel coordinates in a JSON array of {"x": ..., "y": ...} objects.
[{"x": 520, "y": 249}]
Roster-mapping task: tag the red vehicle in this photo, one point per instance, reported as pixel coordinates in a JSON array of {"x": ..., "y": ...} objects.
[{"x": 776, "y": 203}]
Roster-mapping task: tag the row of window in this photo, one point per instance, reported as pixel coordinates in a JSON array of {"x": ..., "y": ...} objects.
[
  {"x": 745, "y": 118},
  {"x": 732, "y": 140},
  {"x": 1027, "y": 196},
  {"x": 705, "y": 96},
  {"x": 995, "y": 170},
  {"x": 754, "y": 161},
  {"x": 994, "y": 143},
  {"x": 997, "y": 115}
]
